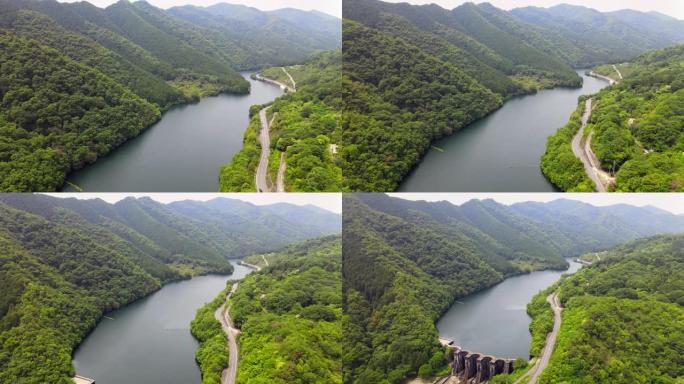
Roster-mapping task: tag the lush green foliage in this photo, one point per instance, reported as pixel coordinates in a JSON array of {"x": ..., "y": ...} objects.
[
  {"x": 249, "y": 38},
  {"x": 623, "y": 320},
  {"x": 212, "y": 354},
  {"x": 637, "y": 128},
  {"x": 403, "y": 265},
  {"x": 405, "y": 262},
  {"x": 397, "y": 99},
  {"x": 559, "y": 163},
  {"x": 64, "y": 262},
  {"x": 585, "y": 37},
  {"x": 305, "y": 125},
  {"x": 290, "y": 316},
  {"x": 58, "y": 115},
  {"x": 413, "y": 74},
  {"x": 78, "y": 81},
  {"x": 239, "y": 175},
  {"x": 56, "y": 282},
  {"x": 89, "y": 52}
]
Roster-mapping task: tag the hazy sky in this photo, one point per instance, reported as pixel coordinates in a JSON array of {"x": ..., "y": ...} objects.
[
  {"x": 673, "y": 202},
  {"x": 330, "y": 201},
  {"x": 332, "y": 7},
  {"x": 674, "y": 8}
]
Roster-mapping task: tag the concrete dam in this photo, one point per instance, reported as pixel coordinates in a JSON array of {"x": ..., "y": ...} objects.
[{"x": 472, "y": 367}]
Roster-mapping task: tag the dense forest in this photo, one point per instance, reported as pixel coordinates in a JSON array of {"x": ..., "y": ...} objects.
[
  {"x": 637, "y": 128},
  {"x": 559, "y": 163},
  {"x": 289, "y": 314},
  {"x": 413, "y": 74},
  {"x": 306, "y": 128},
  {"x": 65, "y": 262},
  {"x": 78, "y": 81},
  {"x": 405, "y": 262},
  {"x": 623, "y": 320}
]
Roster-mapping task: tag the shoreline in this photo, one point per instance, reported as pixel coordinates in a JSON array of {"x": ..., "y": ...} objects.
[
  {"x": 69, "y": 185},
  {"x": 445, "y": 340},
  {"x": 104, "y": 314},
  {"x": 504, "y": 101}
]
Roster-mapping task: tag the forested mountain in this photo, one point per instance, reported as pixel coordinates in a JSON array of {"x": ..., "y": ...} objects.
[
  {"x": 64, "y": 262},
  {"x": 252, "y": 38},
  {"x": 289, "y": 315},
  {"x": 588, "y": 37},
  {"x": 78, "y": 81},
  {"x": 305, "y": 128},
  {"x": 623, "y": 320},
  {"x": 637, "y": 127},
  {"x": 396, "y": 56},
  {"x": 405, "y": 262},
  {"x": 397, "y": 99}
]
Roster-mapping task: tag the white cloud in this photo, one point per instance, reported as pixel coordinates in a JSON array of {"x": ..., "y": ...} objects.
[
  {"x": 329, "y": 201},
  {"x": 673, "y": 202}
]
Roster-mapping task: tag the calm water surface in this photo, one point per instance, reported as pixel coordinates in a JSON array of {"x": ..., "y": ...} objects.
[
  {"x": 495, "y": 321},
  {"x": 149, "y": 341},
  {"x": 500, "y": 153},
  {"x": 184, "y": 151}
]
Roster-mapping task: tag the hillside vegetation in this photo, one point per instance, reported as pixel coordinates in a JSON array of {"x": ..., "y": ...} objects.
[
  {"x": 637, "y": 127},
  {"x": 415, "y": 73},
  {"x": 78, "y": 81},
  {"x": 623, "y": 320},
  {"x": 66, "y": 262},
  {"x": 306, "y": 125},
  {"x": 289, "y": 315},
  {"x": 405, "y": 262}
]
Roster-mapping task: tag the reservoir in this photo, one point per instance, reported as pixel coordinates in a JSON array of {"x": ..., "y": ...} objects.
[
  {"x": 495, "y": 321},
  {"x": 184, "y": 151},
  {"x": 149, "y": 341},
  {"x": 501, "y": 152}
]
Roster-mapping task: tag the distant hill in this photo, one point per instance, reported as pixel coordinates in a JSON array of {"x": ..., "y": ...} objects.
[
  {"x": 252, "y": 38},
  {"x": 117, "y": 68},
  {"x": 65, "y": 262},
  {"x": 405, "y": 262},
  {"x": 394, "y": 55},
  {"x": 604, "y": 37}
]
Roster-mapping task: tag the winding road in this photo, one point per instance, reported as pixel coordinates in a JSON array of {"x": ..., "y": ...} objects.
[
  {"x": 583, "y": 152},
  {"x": 543, "y": 361},
  {"x": 265, "y": 139},
  {"x": 223, "y": 316},
  {"x": 294, "y": 85},
  {"x": 618, "y": 71}
]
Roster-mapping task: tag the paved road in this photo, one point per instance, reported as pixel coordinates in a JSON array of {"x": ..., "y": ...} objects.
[
  {"x": 606, "y": 78},
  {"x": 550, "y": 339},
  {"x": 281, "y": 174},
  {"x": 265, "y": 139},
  {"x": 604, "y": 176},
  {"x": 618, "y": 71},
  {"x": 223, "y": 316},
  {"x": 294, "y": 85},
  {"x": 583, "y": 152}
]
